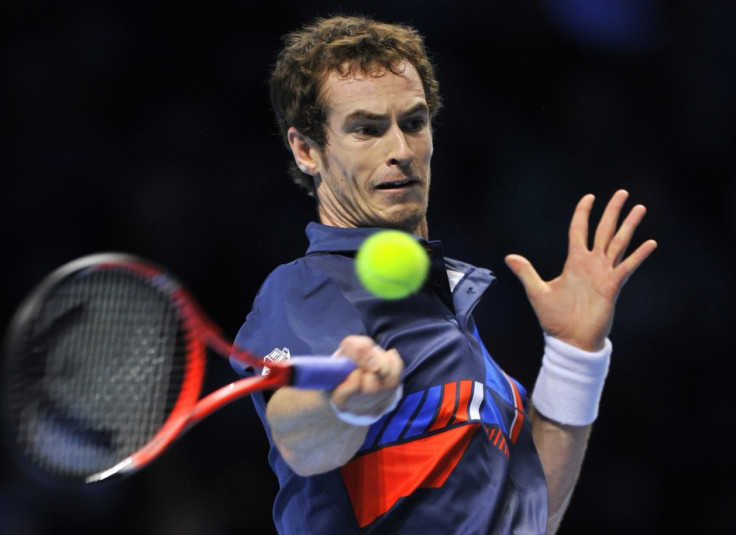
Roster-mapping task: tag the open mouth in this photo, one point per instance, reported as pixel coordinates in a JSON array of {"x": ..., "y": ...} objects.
[{"x": 398, "y": 184}]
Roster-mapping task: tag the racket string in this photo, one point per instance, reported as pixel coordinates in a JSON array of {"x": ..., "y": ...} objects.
[{"x": 99, "y": 389}]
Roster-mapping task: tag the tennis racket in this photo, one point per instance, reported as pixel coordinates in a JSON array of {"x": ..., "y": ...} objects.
[{"x": 104, "y": 366}]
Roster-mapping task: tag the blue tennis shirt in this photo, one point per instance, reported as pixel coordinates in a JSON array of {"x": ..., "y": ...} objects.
[{"x": 456, "y": 455}]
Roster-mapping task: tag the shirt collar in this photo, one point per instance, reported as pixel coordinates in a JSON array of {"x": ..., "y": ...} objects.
[
  {"x": 327, "y": 239},
  {"x": 467, "y": 289}
]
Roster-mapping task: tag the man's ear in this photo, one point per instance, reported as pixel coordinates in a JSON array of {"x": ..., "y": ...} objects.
[{"x": 306, "y": 152}]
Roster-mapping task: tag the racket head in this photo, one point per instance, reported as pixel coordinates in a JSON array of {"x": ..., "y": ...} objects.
[{"x": 102, "y": 363}]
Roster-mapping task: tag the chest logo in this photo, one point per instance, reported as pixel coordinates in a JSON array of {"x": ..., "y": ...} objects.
[{"x": 275, "y": 356}]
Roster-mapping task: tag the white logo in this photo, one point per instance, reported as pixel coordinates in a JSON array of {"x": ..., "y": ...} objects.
[{"x": 277, "y": 355}]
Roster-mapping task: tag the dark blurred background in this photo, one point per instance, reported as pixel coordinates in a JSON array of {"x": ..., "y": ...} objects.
[{"x": 145, "y": 127}]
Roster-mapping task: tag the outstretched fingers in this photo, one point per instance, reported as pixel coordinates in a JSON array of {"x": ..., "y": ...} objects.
[
  {"x": 577, "y": 306},
  {"x": 609, "y": 220},
  {"x": 578, "y": 233},
  {"x": 523, "y": 269},
  {"x": 627, "y": 267},
  {"x": 621, "y": 240}
]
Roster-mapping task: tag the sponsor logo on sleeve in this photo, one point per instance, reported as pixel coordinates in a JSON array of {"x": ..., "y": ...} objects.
[{"x": 275, "y": 356}]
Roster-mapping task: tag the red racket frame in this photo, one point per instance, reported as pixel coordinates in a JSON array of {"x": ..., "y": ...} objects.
[{"x": 201, "y": 333}]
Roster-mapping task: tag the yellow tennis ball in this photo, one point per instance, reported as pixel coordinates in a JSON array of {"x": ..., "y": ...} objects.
[{"x": 391, "y": 264}]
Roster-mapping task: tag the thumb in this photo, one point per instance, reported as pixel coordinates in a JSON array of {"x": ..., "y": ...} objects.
[{"x": 526, "y": 273}]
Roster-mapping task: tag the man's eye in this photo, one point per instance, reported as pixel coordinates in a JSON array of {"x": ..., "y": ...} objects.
[
  {"x": 366, "y": 130},
  {"x": 414, "y": 125}
]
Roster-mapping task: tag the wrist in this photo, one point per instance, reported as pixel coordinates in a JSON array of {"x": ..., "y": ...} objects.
[
  {"x": 589, "y": 347},
  {"x": 367, "y": 419},
  {"x": 570, "y": 383}
]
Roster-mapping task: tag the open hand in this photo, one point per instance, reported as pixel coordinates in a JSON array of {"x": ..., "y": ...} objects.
[{"x": 577, "y": 307}]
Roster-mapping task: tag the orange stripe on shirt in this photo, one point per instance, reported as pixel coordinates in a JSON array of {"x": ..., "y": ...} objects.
[
  {"x": 466, "y": 391},
  {"x": 377, "y": 480},
  {"x": 449, "y": 393}
]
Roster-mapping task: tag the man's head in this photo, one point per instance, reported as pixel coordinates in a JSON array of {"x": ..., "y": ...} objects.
[{"x": 348, "y": 46}]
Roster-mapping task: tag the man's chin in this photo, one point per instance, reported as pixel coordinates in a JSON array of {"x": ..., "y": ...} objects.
[{"x": 413, "y": 223}]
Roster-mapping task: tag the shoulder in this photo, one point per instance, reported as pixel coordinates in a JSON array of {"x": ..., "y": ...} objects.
[
  {"x": 307, "y": 277},
  {"x": 300, "y": 306}
]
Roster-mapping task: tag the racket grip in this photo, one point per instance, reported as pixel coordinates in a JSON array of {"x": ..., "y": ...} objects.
[{"x": 320, "y": 373}]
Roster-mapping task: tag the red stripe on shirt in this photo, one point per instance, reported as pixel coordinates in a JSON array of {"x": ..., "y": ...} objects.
[
  {"x": 447, "y": 408},
  {"x": 377, "y": 480}
]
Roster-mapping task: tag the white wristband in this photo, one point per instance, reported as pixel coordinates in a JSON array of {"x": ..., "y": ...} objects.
[
  {"x": 367, "y": 419},
  {"x": 569, "y": 386}
]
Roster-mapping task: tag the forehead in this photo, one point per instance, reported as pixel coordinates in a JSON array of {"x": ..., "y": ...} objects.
[{"x": 380, "y": 91}]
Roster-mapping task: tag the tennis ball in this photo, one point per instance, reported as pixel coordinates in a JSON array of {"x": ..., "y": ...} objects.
[{"x": 391, "y": 264}]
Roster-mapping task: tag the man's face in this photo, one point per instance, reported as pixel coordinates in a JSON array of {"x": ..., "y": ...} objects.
[{"x": 375, "y": 167}]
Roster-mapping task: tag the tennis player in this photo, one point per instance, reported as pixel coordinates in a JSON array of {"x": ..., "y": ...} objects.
[{"x": 428, "y": 435}]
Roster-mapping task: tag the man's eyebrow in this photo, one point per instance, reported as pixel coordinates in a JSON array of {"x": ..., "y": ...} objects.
[
  {"x": 419, "y": 107},
  {"x": 361, "y": 115}
]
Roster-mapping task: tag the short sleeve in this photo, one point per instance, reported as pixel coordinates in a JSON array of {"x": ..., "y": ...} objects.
[{"x": 298, "y": 310}]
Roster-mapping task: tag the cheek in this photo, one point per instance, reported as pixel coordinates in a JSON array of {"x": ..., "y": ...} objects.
[
  {"x": 424, "y": 147},
  {"x": 344, "y": 178},
  {"x": 356, "y": 167},
  {"x": 424, "y": 154},
  {"x": 430, "y": 151}
]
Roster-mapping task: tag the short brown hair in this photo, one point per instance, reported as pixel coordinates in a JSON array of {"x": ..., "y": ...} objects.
[{"x": 345, "y": 45}]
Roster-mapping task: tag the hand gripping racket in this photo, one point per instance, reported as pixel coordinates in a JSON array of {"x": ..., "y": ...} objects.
[{"x": 104, "y": 364}]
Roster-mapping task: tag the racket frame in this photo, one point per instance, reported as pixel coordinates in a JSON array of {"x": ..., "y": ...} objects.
[{"x": 189, "y": 408}]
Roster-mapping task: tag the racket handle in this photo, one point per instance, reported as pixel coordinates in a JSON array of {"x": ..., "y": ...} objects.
[{"x": 320, "y": 373}]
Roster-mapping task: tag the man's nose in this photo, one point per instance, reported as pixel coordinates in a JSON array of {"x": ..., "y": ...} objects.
[{"x": 400, "y": 152}]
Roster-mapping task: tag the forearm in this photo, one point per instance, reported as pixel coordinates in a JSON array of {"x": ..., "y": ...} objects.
[
  {"x": 316, "y": 432},
  {"x": 561, "y": 449},
  {"x": 564, "y": 405},
  {"x": 309, "y": 436}
]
